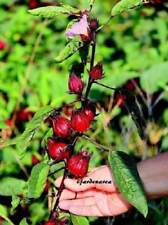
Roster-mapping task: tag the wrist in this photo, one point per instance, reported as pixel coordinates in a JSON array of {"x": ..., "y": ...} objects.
[{"x": 153, "y": 174}]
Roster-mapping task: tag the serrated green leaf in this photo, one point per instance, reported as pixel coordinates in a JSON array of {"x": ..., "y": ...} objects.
[
  {"x": 155, "y": 78},
  {"x": 11, "y": 186},
  {"x": 23, "y": 141},
  {"x": 37, "y": 180},
  {"x": 23, "y": 222},
  {"x": 3, "y": 214},
  {"x": 72, "y": 47},
  {"x": 53, "y": 11},
  {"x": 128, "y": 180},
  {"x": 125, "y": 5},
  {"x": 79, "y": 220}
]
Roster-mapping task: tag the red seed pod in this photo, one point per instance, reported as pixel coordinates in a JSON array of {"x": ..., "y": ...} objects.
[
  {"x": 23, "y": 115},
  {"x": 94, "y": 24},
  {"x": 78, "y": 164},
  {"x": 33, "y": 4},
  {"x": 35, "y": 160},
  {"x": 97, "y": 72},
  {"x": 61, "y": 126},
  {"x": 90, "y": 110},
  {"x": 58, "y": 150},
  {"x": 75, "y": 84},
  {"x": 50, "y": 222},
  {"x": 80, "y": 121},
  {"x": 2, "y": 45},
  {"x": 9, "y": 122}
]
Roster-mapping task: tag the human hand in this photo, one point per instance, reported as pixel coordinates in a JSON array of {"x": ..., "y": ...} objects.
[{"x": 92, "y": 199}]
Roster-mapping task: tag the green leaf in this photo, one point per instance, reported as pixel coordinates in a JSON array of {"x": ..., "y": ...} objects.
[
  {"x": 155, "y": 78},
  {"x": 128, "y": 180},
  {"x": 3, "y": 214},
  {"x": 79, "y": 220},
  {"x": 15, "y": 202},
  {"x": 53, "y": 11},
  {"x": 72, "y": 47},
  {"x": 23, "y": 141},
  {"x": 37, "y": 180},
  {"x": 23, "y": 222},
  {"x": 11, "y": 186},
  {"x": 125, "y": 5}
]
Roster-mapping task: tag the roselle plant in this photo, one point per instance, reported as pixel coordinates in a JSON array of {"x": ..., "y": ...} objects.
[{"x": 67, "y": 125}]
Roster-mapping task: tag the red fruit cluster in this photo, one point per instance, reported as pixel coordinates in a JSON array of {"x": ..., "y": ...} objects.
[
  {"x": 58, "y": 150},
  {"x": 75, "y": 84},
  {"x": 96, "y": 72},
  {"x": 78, "y": 164}
]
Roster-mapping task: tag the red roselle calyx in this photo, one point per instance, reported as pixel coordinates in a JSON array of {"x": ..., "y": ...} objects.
[
  {"x": 80, "y": 122},
  {"x": 75, "y": 84},
  {"x": 50, "y": 222},
  {"x": 78, "y": 164},
  {"x": 23, "y": 115},
  {"x": 61, "y": 126},
  {"x": 58, "y": 150},
  {"x": 90, "y": 110},
  {"x": 2, "y": 45},
  {"x": 96, "y": 72},
  {"x": 94, "y": 24},
  {"x": 35, "y": 160}
]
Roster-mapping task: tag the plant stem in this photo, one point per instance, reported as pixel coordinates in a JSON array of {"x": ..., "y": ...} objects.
[
  {"x": 101, "y": 147},
  {"x": 90, "y": 81},
  {"x": 61, "y": 188},
  {"x": 105, "y": 86}
]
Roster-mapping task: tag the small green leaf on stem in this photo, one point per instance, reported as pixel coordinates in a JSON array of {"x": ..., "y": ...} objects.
[
  {"x": 15, "y": 202},
  {"x": 127, "y": 179}
]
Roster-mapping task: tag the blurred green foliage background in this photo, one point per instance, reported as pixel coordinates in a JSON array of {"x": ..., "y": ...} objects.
[{"x": 132, "y": 47}]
